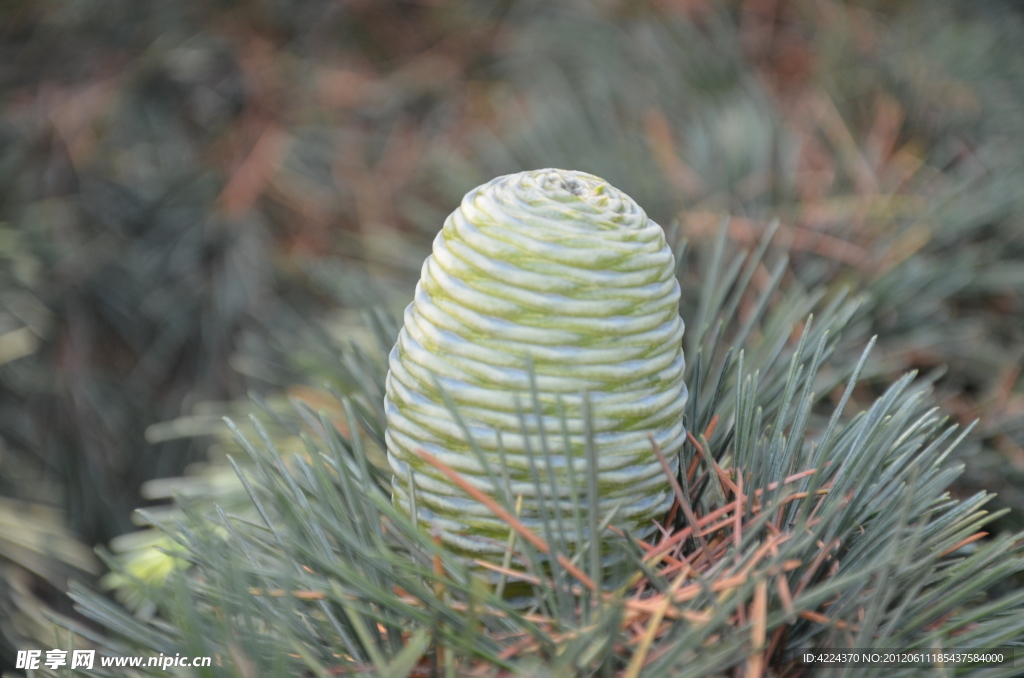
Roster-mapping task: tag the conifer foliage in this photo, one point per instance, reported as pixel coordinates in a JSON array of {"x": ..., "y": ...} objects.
[{"x": 796, "y": 525}]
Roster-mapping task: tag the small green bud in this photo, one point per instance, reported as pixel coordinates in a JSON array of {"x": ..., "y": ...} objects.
[{"x": 563, "y": 270}]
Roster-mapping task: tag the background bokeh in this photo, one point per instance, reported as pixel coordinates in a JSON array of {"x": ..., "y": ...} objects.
[{"x": 198, "y": 199}]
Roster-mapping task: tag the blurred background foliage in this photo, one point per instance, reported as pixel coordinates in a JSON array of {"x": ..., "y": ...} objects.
[{"x": 198, "y": 199}]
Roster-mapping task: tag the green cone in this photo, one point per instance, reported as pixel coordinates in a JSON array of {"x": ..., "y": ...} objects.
[{"x": 564, "y": 270}]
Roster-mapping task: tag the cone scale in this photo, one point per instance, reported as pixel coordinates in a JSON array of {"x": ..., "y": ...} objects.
[{"x": 560, "y": 270}]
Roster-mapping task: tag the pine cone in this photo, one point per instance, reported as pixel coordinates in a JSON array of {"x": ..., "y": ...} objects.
[{"x": 563, "y": 270}]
